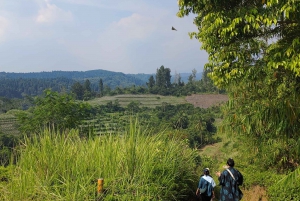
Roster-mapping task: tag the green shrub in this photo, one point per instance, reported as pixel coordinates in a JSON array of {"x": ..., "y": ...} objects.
[
  {"x": 280, "y": 191},
  {"x": 5, "y": 173}
]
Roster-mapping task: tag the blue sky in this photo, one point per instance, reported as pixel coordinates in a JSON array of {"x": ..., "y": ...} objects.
[{"x": 129, "y": 36}]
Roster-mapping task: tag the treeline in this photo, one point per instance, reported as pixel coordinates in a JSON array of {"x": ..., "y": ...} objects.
[
  {"x": 159, "y": 84},
  {"x": 20, "y": 87},
  {"x": 89, "y": 84}
]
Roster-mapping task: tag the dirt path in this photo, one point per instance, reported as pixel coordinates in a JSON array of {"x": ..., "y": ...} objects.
[
  {"x": 255, "y": 193},
  {"x": 215, "y": 151}
]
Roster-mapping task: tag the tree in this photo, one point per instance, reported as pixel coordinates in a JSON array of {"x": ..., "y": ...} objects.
[
  {"x": 87, "y": 85},
  {"x": 107, "y": 90},
  {"x": 151, "y": 83},
  {"x": 53, "y": 111},
  {"x": 101, "y": 87},
  {"x": 191, "y": 85},
  {"x": 78, "y": 90},
  {"x": 134, "y": 106},
  {"x": 206, "y": 84},
  {"x": 177, "y": 78},
  {"x": 253, "y": 49},
  {"x": 163, "y": 80},
  {"x": 180, "y": 121},
  {"x": 192, "y": 77},
  {"x": 87, "y": 90}
]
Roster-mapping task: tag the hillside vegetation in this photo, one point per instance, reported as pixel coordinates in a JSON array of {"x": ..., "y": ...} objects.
[
  {"x": 136, "y": 165},
  {"x": 254, "y": 49}
]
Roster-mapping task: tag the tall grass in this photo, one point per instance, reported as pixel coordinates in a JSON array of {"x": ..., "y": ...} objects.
[{"x": 135, "y": 166}]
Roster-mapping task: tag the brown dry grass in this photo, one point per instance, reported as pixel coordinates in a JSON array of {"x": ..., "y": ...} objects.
[
  {"x": 206, "y": 100},
  {"x": 256, "y": 193}
]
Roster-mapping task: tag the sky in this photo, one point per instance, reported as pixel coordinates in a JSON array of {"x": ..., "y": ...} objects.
[{"x": 129, "y": 36}]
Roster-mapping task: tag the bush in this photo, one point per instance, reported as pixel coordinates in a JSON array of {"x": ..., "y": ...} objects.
[{"x": 280, "y": 191}]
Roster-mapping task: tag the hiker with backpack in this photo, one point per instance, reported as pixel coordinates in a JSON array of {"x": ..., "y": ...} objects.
[
  {"x": 206, "y": 186},
  {"x": 230, "y": 180}
]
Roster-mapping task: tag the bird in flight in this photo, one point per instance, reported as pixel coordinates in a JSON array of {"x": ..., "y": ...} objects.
[{"x": 174, "y": 29}]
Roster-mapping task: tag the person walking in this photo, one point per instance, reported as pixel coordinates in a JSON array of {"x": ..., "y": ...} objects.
[
  {"x": 206, "y": 186},
  {"x": 230, "y": 180}
]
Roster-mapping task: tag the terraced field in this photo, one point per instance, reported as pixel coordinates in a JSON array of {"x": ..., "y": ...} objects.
[
  {"x": 106, "y": 123},
  {"x": 8, "y": 124},
  {"x": 198, "y": 100},
  {"x": 145, "y": 100}
]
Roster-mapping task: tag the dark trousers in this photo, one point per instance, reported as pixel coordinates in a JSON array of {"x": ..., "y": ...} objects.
[{"x": 205, "y": 198}]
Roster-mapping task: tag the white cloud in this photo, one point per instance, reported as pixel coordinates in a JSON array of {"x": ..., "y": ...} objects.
[
  {"x": 135, "y": 26},
  {"x": 50, "y": 13},
  {"x": 120, "y": 5},
  {"x": 126, "y": 36},
  {"x": 111, "y": 48}
]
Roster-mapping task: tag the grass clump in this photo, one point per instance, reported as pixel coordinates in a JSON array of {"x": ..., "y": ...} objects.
[{"x": 134, "y": 165}]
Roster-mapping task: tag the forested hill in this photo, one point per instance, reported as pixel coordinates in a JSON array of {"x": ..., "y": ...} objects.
[
  {"x": 15, "y": 85},
  {"x": 78, "y": 75},
  {"x": 137, "y": 79}
]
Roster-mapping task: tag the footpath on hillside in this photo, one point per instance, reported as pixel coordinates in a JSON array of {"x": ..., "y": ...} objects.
[{"x": 220, "y": 154}]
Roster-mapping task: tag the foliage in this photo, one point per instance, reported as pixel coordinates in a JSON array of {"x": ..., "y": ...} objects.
[
  {"x": 194, "y": 124},
  {"x": 78, "y": 90},
  {"x": 7, "y": 143},
  {"x": 7, "y": 104},
  {"x": 101, "y": 87},
  {"x": 254, "y": 49},
  {"x": 53, "y": 111},
  {"x": 133, "y": 107},
  {"x": 134, "y": 165},
  {"x": 20, "y": 87},
  {"x": 17, "y": 85},
  {"x": 6, "y": 174},
  {"x": 276, "y": 189}
]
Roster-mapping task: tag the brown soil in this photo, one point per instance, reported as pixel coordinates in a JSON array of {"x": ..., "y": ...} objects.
[
  {"x": 256, "y": 193},
  {"x": 206, "y": 100}
]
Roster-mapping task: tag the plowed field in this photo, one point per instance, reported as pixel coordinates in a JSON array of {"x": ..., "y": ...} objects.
[{"x": 206, "y": 100}]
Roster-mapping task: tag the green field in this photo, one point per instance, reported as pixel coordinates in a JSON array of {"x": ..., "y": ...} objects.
[{"x": 145, "y": 100}]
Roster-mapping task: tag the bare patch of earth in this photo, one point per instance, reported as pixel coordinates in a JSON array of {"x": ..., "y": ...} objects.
[
  {"x": 255, "y": 193},
  {"x": 206, "y": 100}
]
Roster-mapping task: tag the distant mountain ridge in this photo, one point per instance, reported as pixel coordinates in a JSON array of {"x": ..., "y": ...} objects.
[
  {"x": 105, "y": 75},
  {"x": 109, "y": 78},
  {"x": 66, "y": 74},
  {"x": 16, "y": 85}
]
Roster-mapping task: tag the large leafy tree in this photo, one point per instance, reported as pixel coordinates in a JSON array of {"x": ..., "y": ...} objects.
[
  {"x": 151, "y": 83},
  {"x": 53, "y": 111},
  {"x": 254, "y": 53},
  {"x": 163, "y": 80},
  {"x": 78, "y": 90}
]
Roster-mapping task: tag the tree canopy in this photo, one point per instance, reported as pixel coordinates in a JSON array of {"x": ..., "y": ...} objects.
[
  {"x": 53, "y": 111},
  {"x": 254, "y": 53}
]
